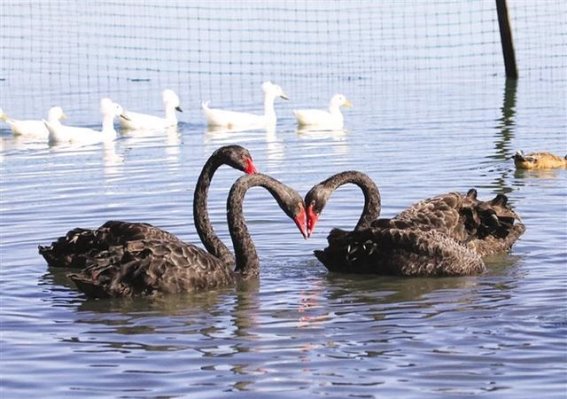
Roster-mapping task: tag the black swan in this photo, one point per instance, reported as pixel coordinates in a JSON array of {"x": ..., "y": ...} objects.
[
  {"x": 161, "y": 265},
  {"x": 79, "y": 245},
  {"x": 486, "y": 227},
  {"x": 444, "y": 235}
]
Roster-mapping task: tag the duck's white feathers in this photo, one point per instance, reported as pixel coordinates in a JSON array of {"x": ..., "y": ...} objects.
[
  {"x": 141, "y": 121},
  {"x": 318, "y": 119},
  {"x": 82, "y": 135},
  {"x": 233, "y": 120},
  {"x": 34, "y": 129}
]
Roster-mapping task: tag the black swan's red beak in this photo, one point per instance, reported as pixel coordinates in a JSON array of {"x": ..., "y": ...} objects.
[
  {"x": 301, "y": 222},
  {"x": 312, "y": 218},
  {"x": 250, "y": 167}
]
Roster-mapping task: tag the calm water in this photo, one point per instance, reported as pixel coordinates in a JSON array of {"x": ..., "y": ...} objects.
[{"x": 299, "y": 330}]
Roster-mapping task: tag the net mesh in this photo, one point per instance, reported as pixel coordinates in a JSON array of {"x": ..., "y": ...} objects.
[{"x": 64, "y": 47}]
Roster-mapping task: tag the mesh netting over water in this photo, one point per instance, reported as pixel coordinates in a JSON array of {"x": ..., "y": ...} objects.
[{"x": 57, "y": 46}]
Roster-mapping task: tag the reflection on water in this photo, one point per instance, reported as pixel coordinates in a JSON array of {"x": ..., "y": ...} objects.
[
  {"x": 506, "y": 122},
  {"x": 505, "y": 135},
  {"x": 539, "y": 173},
  {"x": 322, "y": 134},
  {"x": 338, "y": 138},
  {"x": 111, "y": 159},
  {"x": 338, "y": 328}
]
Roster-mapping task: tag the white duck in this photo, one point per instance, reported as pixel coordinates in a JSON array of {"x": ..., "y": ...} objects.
[
  {"x": 83, "y": 135},
  {"x": 34, "y": 129},
  {"x": 320, "y": 119},
  {"x": 242, "y": 120},
  {"x": 138, "y": 121}
]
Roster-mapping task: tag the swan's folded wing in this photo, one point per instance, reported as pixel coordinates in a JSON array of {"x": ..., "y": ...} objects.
[
  {"x": 443, "y": 213},
  {"x": 79, "y": 245},
  {"x": 148, "y": 267},
  {"x": 406, "y": 252}
]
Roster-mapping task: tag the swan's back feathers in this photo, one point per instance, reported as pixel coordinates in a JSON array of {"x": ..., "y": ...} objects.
[
  {"x": 148, "y": 267},
  {"x": 404, "y": 252},
  {"x": 442, "y": 213},
  {"x": 487, "y": 226},
  {"x": 126, "y": 259},
  {"x": 79, "y": 245},
  {"x": 446, "y": 235}
]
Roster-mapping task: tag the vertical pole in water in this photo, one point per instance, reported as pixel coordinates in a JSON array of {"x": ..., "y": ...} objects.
[{"x": 506, "y": 39}]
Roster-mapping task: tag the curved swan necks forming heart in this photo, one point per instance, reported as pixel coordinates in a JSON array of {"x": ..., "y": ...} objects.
[{"x": 247, "y": 263}]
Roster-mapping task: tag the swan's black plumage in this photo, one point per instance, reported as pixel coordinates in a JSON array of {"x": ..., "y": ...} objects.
[
  {"x": 165, "y": 264},
  {"x": 395, "y": 251},
  {"x": 444, "y": 235},
  {"x": 117, "y": 242},
  {"x": 486, "y": 227}
]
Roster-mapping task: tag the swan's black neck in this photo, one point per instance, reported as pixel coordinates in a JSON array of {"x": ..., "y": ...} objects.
[
  {"x": 247, "y": 261},
  {"x": 201, "y": 215},
  {"x": 372, "y": 201}
]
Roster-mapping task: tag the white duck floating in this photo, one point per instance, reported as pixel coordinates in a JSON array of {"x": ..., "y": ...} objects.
[
  {"x": 139, "y": 121},
  {"x": 82, "y": 135},
  {"x": 34, "y": 129},
  {"x": 319, "y": 119},
  {"x": 232, "y": 120}
]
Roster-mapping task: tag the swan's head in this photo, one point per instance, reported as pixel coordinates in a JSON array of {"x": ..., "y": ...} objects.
[
  {"x": 55, "y": 114},
  {"x": 315, "y": 201},
  {"x": 170, "y": 99},
  {"x": 110, "y": 108},
  {"x": 298, "y": 214},
  {"x": 340, "y": 100},
  {"x": 237, "y": 157},
  {"x": 273, "y": 90}
]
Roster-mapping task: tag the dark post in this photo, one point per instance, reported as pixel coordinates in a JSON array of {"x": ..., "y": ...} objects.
[{"x": 506, "y": 39}]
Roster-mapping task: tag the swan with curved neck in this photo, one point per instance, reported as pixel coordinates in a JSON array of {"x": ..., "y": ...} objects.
[
  {"x": 443, "y": 235},
  {"x": 149, "y": 267},
  {"x": 317, "y": 197},
  {"x": 232, "y": 120},
  {"x": 80, "y": 246}
]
